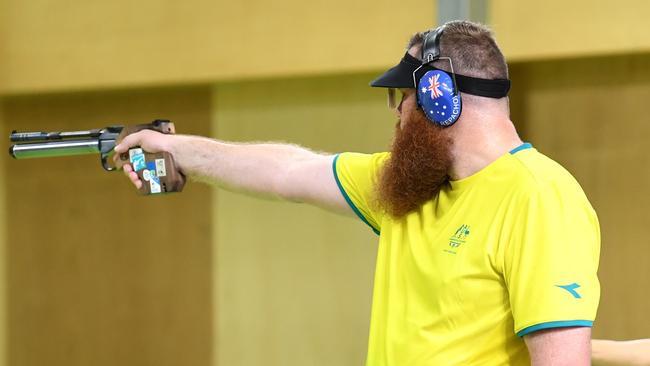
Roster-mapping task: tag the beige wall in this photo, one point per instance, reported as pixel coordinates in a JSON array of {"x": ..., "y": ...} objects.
[
  {"x": 591, "y": 116},
  {"x": 293, "y": 282},
  {"x": 49, "y": 45},
  {"x": 3, "y": 246},
  {"x": 96, "y": 274},
  {"x": 534, "y": 30}
]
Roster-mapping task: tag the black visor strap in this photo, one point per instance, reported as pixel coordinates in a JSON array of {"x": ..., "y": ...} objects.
[
  {"x": 491, "y": 88},
  {"x": 401, "y": 76}
]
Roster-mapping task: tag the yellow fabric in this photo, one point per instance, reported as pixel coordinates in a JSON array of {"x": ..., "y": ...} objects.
[{"x": 484, "y": 260}]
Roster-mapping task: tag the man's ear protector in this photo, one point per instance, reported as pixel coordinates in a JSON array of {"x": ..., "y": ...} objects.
[{"x": 437, "y": 91}]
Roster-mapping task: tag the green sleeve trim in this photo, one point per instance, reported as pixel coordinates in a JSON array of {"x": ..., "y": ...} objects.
[
  {"x": 559, "y": 324},
  {"x": 523, "y": 146},
  {"x": 347, "y": 198}
]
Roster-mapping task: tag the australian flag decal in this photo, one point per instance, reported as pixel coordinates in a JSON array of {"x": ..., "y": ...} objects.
[
  {"x": 434, "y": 87},
  {"x": 437, "y": 98}
]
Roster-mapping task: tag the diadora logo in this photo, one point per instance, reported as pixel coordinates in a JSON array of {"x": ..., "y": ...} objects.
[
  {"x": 571, "y": 289},
  {"x": 459, "y": 238}
]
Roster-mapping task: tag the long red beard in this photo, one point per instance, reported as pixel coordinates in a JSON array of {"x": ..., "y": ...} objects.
[{"x": 418, "y": 165}]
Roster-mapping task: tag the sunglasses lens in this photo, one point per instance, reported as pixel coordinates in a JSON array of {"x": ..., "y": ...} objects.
[{"x": 392, "y": 98}]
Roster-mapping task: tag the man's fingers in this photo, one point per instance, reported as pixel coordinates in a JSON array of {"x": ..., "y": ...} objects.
[
  {"x": 119, "y": 162},
  {"x": 150, "y": 141},
  {"x": 133, "y": 176},
  {"x": 134, "y": 139},
  {"x": 136, "y": 181}
]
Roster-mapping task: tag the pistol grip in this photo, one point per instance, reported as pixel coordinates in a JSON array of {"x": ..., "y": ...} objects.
[{"x": 157, "y": 171}]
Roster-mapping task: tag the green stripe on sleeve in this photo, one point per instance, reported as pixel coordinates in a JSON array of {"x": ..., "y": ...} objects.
[
  {"x": 558, "y": 324},
  {"x": 347, "y": 198}
]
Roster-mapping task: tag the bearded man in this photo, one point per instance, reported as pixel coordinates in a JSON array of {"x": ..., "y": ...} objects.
[{"x": 488, "y": 250}]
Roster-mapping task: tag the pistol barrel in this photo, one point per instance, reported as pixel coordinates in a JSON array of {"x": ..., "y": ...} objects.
[{"x": 54, "y": 148}]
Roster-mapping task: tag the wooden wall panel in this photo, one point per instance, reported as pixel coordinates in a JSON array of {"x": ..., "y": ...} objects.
[
  {"x": 96, "y": 274},
  {"x": 3, "y": 245},
  {"x": 77, "y": 44},
  {"x": 537, "y": 30},
  {"x": 591, "y": 115},
  {"x": 72, "y": 45},
  {"x": 294, "y": 282}
]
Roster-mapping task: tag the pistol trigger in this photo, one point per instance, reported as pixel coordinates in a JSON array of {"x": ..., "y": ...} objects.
[{"x": 105, "y": 165}]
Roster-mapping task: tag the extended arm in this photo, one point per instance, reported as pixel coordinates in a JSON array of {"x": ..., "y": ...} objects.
[
  {"x": 620, "y": 353},
  {"x": 265, "y": 169},
  {"x": 560, "y": 346}
]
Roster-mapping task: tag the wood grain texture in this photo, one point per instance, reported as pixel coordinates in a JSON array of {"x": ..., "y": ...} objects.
[
  {"x": 591, "y": 115},
  {"x": 295, "y": 282},
  {"x": 86, "y": 45},
  {"x": 96, "y": 274},
  {"x": 3, "y": 245},
  {"x": 552, "y": 29}
]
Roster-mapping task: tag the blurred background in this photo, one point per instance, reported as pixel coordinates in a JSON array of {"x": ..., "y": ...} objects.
[{"x": 92, "y": 274}]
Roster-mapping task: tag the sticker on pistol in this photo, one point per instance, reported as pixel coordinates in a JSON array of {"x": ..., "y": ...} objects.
[
  {"x": 154, "y": 184},
  {"x": 136, "y": 151},
  {"x": 160, "y": 168},
  {"x": 136, "y": 156}
]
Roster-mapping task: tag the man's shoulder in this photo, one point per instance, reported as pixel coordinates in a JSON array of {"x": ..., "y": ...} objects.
[
  {"x": 538, "y": 173},
  {"x": 541, "y": 168},
  {"x": 355, "y": 160},
  {"x": 382, "y": 155}
]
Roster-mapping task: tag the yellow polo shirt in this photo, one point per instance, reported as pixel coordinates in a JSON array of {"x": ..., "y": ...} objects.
[{"x": 507, "y": 251}]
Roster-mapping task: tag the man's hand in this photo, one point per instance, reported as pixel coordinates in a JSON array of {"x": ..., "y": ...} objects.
[
  {"x": 560, "y": 346},
  {"x": 148, "y": 140},
  {"x": 620, "y": 353}
]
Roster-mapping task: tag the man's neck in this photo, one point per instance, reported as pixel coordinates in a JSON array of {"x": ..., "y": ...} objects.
[{"x": 479, "y": 140}]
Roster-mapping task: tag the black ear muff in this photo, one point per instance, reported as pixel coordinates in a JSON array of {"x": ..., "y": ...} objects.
[{"x": 437, "y": 93}]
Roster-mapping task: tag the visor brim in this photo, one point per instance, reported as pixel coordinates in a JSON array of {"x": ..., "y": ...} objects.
[{"x": 399, "y": 76}]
